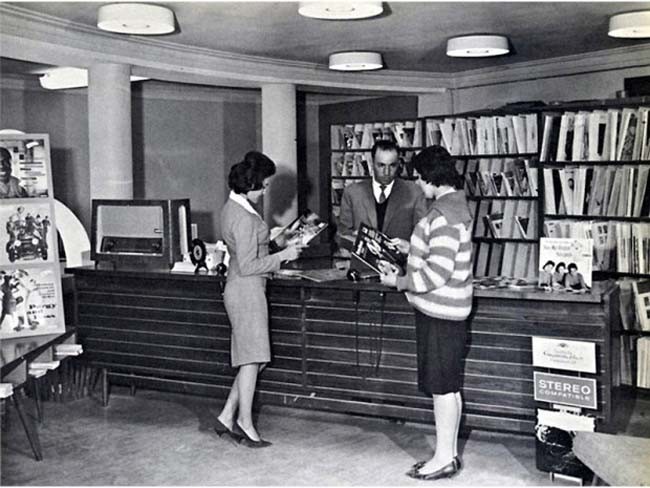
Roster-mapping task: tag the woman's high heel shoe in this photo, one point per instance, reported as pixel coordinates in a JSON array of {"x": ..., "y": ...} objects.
[
  {"x": 222, "y": 429},
  {"x": 246, "y": 439}
]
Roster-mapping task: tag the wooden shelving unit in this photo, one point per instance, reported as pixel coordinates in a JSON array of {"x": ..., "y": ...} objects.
[
  {"x": 497, "y": 155},
  {"x": 607, "y": 162},
  {"x": 599, "y": 152}
]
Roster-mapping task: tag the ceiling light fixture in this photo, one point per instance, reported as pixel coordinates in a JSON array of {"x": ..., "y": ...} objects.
[
  {"x": 342, "y": 10},
  {"x": 63, "y": 77},
  {"x": 477, "y": 46},
  {"x": 630, "y": 25},
  {"x": 135, "y": 18},
  {"x": 356, "y": 61}
]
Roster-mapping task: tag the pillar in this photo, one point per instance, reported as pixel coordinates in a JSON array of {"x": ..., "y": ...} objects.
[
  {"x": 109, "y": 131},
  {"x": 279, "y": 143}
]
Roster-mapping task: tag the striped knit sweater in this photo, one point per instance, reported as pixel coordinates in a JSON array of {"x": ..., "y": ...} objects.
[{"x": 438, "y": 279}]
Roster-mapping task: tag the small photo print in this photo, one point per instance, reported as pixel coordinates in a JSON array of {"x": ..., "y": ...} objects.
[
  {"x": 23, "y": 168},
  {"x": 565, "y": 264},
  {"x": 27, "y": 233},
  {"x": 29, "y": 302}
]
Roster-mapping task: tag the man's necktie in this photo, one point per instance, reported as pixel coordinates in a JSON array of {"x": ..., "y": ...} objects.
[{"x": 382, "y": 195}]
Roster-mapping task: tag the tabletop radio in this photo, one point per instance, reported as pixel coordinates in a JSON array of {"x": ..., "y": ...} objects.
[{"x": 149, "y": 233}]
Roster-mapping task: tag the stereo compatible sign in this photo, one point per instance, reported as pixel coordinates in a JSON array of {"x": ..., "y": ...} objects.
[
  {"x": 565, "y": 390},
  {"x": 564, "y": 354}
]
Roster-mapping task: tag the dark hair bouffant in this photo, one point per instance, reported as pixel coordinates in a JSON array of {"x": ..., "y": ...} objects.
[
  {"x": 250, "y": 173},
  {"x": 5, "y": 154},
  {"x": 436, "y": 166}
]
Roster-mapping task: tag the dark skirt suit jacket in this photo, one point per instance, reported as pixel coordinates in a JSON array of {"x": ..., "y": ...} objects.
[
  {"x": 247, "y": 238},
  {"x": 406, "y": 206}
]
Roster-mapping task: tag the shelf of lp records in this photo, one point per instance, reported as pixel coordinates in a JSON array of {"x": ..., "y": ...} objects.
[
  {"x": 503, "y": 195},
  {"x": 362, "y": 136},
  {"x": 643, "y": 362},
  {"x": 351, "y": 158},
  {"x": 595, "y": 173},
  {"x": 641, "y": 292},
  {"x": 496, "y": 155},
  {"x": 470, "y": 135}
]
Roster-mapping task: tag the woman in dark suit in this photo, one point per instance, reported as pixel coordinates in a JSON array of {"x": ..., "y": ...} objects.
[{"x": 247, "y": 238}]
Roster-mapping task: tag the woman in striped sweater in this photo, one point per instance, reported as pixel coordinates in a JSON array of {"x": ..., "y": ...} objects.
[{"x": 438, "y": 284}]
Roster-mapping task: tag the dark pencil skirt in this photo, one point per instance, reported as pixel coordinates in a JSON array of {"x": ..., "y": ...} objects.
[{"x": 440, "y": 353}]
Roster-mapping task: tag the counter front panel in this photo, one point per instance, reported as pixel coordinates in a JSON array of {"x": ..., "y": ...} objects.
[{"x": 336, "y": 346}]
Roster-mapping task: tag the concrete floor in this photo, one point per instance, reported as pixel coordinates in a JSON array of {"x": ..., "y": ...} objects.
[{"x": 157, "y": 438}]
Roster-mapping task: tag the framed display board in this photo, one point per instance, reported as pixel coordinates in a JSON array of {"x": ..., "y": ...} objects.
[{"x": 31, "y": 300}]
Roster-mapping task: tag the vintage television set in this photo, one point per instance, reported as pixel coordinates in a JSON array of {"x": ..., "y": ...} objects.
[{"x": 141, "y": 233}]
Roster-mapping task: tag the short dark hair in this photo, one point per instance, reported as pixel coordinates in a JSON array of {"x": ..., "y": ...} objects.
[
  {"x": 436, "y": 166},
  {"x": 250, "y": 173},
  {"x": 384, "y": 145},
  {"x": 572, "y": 266},
  {"x": 561, "y": 263},
  {"x": 547, "y": 263}
]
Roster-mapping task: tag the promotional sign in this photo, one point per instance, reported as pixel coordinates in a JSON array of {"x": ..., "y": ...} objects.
[
  {"x": 566, "y": 390},
  {"x": 564, "y": 354}
]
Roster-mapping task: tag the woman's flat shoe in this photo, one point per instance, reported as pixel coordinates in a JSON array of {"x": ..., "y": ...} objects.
[
  {"x": 246, "y": 440},
  {"x": 419, "y": 464},
  {"x": 447, "y": 471}
]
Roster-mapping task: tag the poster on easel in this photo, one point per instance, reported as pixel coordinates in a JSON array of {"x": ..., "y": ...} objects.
[{"x": 31, "y": 296}]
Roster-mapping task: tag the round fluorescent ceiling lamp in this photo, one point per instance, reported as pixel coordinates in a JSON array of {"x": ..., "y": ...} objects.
[
  {"x": 477, "y": 46},
  {"x": 632, "y": 25},
  {"x": 342, "y": 10},
  {"x": 135, "y": 18},
  {"x": 64, "y": 77},
  {"x": 356, "y": 61}
]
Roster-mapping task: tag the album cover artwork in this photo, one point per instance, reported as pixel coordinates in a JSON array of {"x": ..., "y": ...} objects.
[
  {"x": 302, "y": 230},
  {"x": 565, "y": 264},
  {"x": 373, "y": 246},
  {"x": 26, "y": 231},
  {"x": 30, "y": 302},
  {"x": 23, "y": 167}
]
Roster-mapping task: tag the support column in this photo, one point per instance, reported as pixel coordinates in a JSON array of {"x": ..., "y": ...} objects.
[
  {"x": 279, "y": 143},
  {"x": 109, "y": 131}
]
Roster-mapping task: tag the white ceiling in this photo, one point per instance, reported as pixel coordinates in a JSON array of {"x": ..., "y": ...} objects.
[{"x": 411, "y": 35}]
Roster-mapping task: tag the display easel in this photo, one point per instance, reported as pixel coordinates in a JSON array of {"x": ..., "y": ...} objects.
[{"x": 30, "y": 274}]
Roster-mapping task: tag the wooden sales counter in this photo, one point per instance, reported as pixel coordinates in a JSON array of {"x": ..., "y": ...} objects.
[{"x": 337, "y": 346}]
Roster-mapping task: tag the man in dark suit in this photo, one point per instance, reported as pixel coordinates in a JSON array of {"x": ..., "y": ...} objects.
[{"x": 384, "y": 202}]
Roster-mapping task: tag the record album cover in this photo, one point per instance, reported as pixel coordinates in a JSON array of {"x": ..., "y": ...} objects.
[
  {"x": 565, "y": 264},
  {"x": 30, "y": 302},
  {"x": 26, "y": 231},
  {"x": 372, "y": 246},
  {"x": 23, "y": 168},
  {"x": 301, "y": 231}
]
